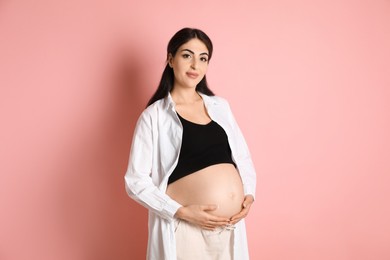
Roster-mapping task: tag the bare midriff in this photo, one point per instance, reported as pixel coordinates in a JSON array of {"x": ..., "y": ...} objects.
[{"x": 218, "y": 184}]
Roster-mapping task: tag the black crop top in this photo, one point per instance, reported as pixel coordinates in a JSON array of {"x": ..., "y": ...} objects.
[{"x": 202, "y": 146}]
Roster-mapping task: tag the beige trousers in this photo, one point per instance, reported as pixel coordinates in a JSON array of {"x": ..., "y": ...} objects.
[{"x": 194, "y": 243}]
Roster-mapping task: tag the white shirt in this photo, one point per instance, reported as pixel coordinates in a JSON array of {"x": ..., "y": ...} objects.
[{"x": 153, "y": 157}]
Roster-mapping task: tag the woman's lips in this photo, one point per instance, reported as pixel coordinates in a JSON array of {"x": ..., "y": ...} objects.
[{"x": 192, "y": 75}]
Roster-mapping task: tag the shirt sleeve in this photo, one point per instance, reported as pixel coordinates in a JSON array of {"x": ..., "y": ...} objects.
[
  {"x": 138, "y": 179},
  {"x": 243, "y": 157}
]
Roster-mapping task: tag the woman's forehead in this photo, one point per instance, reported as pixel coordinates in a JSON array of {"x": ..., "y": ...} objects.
[{"x": 195, "y": 45}]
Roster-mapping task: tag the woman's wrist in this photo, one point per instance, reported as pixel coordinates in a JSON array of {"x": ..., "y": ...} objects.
[{"x": 179, "y": 213}]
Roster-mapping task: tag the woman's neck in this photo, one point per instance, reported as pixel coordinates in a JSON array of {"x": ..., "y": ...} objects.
[{"x": 181, "y": 96}]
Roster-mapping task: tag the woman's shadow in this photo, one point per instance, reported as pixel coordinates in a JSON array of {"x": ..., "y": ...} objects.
[{"x": 99, "y": 220}]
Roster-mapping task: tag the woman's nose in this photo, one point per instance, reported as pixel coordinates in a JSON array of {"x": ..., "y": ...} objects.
[{"x": 194, "y": 64}]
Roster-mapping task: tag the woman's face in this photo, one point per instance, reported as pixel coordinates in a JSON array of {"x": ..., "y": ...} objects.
[{"x": 189, "y": 64}]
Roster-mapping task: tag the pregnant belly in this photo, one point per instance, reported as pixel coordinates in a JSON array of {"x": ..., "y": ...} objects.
[{"x": 218, "y": 184}]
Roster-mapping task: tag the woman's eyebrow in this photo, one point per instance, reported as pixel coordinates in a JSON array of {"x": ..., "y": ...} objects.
[{"x": 204, "y": 53}]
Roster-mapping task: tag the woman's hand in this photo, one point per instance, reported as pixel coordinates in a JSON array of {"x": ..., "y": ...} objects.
[
  {"x": 246, "y": 205},
  {"x": 199, "y": 215}
]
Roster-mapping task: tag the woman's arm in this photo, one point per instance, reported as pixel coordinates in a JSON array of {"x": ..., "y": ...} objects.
[
  {"x": 138, "y": 179},
  {"x": 246, "y": 169},
  {"x": 243, "y": 157}
]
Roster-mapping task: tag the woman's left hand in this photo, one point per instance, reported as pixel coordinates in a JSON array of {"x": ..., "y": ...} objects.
[{"x": 246, "y": 205}]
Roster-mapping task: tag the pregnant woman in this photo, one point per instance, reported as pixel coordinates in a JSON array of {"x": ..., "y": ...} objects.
[{"x": 189, "y": 163}]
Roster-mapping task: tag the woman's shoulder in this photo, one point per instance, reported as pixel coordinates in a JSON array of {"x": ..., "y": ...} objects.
[
  {"x": 215, "y": 99},
  {"x": 220, "y": 99},
  {"x": 155, "y": 109},
  {"x": 154, "y": 106}
]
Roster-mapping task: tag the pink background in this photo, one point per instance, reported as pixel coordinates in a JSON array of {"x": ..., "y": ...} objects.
[{"x": 309, "y": 84}]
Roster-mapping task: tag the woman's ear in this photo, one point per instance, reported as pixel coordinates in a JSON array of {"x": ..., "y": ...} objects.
[{"x": 170, "y": 60}]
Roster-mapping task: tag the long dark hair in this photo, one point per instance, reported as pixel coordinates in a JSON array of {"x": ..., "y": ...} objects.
[{"x": 167, "y": 78}]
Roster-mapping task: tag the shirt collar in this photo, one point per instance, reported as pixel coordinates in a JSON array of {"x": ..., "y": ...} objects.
[
  {"x": 168, "y": 102},
  {"x": 208, "y": 100}
]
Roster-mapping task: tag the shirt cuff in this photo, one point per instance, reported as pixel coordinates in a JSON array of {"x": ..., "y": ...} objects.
[
  {"x": 249, "y": 191},
  {"x": 170, "y": 208}
]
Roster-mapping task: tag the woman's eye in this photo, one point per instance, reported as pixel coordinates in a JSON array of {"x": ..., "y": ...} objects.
[
  {"x": 186, "y": 56},
  {"x": 203, "y": 59}
]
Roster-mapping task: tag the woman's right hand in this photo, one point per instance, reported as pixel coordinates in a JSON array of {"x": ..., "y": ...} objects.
[{"x": 199, "y": 215}]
